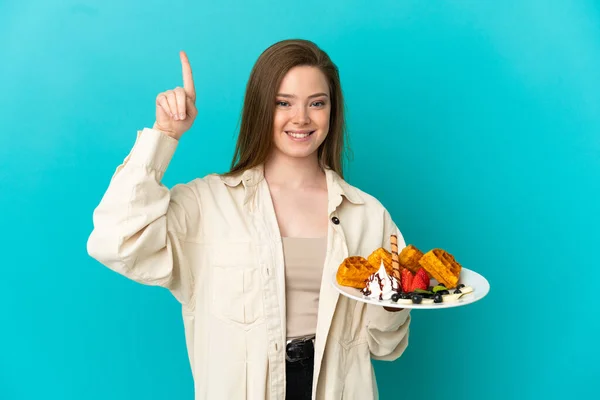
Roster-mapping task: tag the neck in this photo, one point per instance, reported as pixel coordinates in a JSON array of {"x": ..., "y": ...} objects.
[{"x": 293, "y": 172}]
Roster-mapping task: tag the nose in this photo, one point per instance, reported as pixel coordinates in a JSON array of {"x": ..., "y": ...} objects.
[{"x": 301, "y": 116}]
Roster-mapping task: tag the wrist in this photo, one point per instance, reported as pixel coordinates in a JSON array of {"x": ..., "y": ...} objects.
[{"x": 165, "y": 132}]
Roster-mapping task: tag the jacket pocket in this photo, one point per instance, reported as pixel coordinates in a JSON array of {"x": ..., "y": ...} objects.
[
  {"x": 236, "y": 294},
  {"x": 235, "y": 284}
]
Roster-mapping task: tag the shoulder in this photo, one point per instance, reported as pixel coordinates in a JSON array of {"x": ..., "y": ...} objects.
[
  {"x": 372, "y": 218},
  {"x": 357, "y": 196},
  {"x": 372, "y": 204},
  {"x": 369, "y": 199},
  {"x": 214, "y": 181}
]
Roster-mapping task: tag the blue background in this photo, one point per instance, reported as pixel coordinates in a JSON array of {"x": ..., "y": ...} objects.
[{"x": 475, "y": 123}]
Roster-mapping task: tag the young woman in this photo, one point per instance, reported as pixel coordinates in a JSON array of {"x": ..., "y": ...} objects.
[{"x": 250, "y": 254}]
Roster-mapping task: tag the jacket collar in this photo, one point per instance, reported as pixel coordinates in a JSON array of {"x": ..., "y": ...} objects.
[{"x": 335, "y": 184}]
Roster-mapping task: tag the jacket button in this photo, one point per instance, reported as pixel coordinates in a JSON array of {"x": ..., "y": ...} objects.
[{"x": 335, "y": 220}]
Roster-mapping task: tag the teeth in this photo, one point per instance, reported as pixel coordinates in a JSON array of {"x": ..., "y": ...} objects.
[{"x": 298, "y": 135}]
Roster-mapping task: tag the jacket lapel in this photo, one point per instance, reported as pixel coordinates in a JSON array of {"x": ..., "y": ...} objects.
[{"x": 337, "y": 250}]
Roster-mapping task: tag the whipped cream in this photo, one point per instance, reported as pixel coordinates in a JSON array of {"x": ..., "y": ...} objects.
[{"x": 380, "y": 285}]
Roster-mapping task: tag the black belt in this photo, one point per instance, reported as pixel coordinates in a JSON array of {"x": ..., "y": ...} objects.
[{"x": 300, "y": 349}]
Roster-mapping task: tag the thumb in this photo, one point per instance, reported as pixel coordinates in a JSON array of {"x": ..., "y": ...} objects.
[{"x": 190, "y": 107}]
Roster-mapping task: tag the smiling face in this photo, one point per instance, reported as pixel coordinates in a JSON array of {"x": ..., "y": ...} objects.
[{"x": 302, "y": 110}]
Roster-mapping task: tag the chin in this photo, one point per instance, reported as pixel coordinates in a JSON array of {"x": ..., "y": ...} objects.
[{"x": 297, "y": 153}]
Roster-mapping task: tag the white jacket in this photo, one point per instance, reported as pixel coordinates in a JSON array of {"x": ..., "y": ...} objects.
[{"x": 215, "y": 244}]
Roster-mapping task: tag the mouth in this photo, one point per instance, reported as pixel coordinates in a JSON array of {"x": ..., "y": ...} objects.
[{"x": 299, "y": 134}]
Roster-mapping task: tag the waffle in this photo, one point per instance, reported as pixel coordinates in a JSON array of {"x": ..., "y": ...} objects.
[
  {"x": 376, "y": 257},
  {"x": 442, "y": 266},
  {"x": 409, "y": 258},
  {"x": 354, "y": 271}
]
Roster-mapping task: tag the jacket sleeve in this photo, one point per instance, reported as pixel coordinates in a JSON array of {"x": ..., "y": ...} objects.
[
  {"x": 139, "y": 224},
  {"x": 387, "y": 332}
]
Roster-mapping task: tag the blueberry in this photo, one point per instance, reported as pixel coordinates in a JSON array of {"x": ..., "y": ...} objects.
[
  {"x": 460, "y": 286},
  {"x": 404, "y": 296},
  {"x": 443, "y": 292},
  {"x": 417, "y": 298},
  {"x": 438, "y": 298},
  {"x": 457, "y": 291},
  {"x": 395, "y": 297}
]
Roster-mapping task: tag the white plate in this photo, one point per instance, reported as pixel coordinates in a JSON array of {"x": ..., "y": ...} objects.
[{"x": 480, "y": 286}]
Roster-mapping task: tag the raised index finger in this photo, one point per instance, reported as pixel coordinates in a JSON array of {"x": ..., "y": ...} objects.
[{"x": 188, "y": 79}]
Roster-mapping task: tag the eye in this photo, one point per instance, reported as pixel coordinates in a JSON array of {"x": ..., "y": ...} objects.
[
  {"x": 319, "y": 103},
  {"x": 282, "y": 103}
]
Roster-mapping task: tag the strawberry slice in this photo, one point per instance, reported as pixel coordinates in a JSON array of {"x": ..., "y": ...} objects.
[
  {"x": 424, "y": 275},
  {"x": 419, "y": 283},
  {"x": 407, "y": 279}
]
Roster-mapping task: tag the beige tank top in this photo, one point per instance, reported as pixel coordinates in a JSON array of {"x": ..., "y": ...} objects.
[{"x": 304, "y": 259}]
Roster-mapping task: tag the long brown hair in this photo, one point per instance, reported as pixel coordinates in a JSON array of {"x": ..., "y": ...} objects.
[{"x": 255, "y": 140}]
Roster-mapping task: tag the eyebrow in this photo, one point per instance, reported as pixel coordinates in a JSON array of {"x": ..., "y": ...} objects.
[{"x": 291, "y": 96}]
